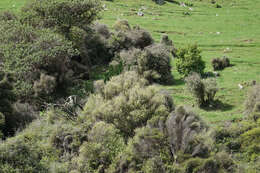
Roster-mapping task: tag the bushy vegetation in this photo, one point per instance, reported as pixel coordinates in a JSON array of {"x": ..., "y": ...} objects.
[
  {"x": 242, "y": 138},
  {"x": 204, "y": 90},
  {"x": 127, "y": 125},
  {"x": 61, "y": 15},
  {"x": 189, "y": 60},
  {"x": 53, "y": 50},
  {"x": 220, "y": 63},
  {"x": 128, "y": 103}
]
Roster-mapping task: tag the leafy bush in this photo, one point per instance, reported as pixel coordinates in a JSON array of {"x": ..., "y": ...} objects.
[
  {"x": 28, "y": 151},
  {"x": 220, "y": 64},
  {"x": 7, "y": 15},
  {"x": 189, "y": 60},
  {"x": 129, "y": 38},
  {"x": 148, "y": 145},
  {"x": 7, "y": 97},
  {"x": 127, "y": 103},
  {"x": 187, "y": 133},
  {"x": 204, "y": 90},
  {"x": 2, "y": 124},
  {"x": 26, "y": 53},
  {"x": 102, "y": 29},
  {"x": 252, "y": 102},
  {"x": 61, "y": 15},
  {"x": 122, "y": 25},
  {"x": 104, "y": 144},
  {"x": 46, "y": 85},
  {"x": 153, "y": 63}
]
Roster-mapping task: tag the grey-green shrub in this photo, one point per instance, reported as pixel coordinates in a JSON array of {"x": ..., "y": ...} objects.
[
  {"x": 61, "y": 15},
  {"x": 127, "y": 103},
  {"x": 220, "y": 63},
  {"x": 27, "y": 52},
  {"x": 7, "y": 15},
  {"x": 121, "y": 25},
  {"x": 127, "y": 38},
  {"x": 147, "y": 145},
  {"x": 187, "y": 133},
  {"x": 189, "y": 60},
  {"x": 153, "y": 63},
  {"x": 104, "y": 144},
  {"x": 7, "y": 97},
  {"x": 2, "y": 124},
  {"x": 204, "y": 90},
  {"x": 253, "y": 101}
]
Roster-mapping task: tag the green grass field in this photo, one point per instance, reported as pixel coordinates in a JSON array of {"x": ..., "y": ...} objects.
[{"x": 233, "y": 31}]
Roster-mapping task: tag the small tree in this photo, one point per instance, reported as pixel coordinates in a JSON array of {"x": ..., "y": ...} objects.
[
  {"x": 189, "y": 60},
  {"x": 61, "y": 14}
]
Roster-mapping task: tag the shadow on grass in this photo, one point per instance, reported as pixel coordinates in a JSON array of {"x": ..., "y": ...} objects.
[
  {"x": 178, "y": 81},
  {"x": 173, "y": 1},
  {"x": 218, "y": 105}
]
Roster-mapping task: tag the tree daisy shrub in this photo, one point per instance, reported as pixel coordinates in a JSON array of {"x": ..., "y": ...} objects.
[{"x": 189, "y": 60}]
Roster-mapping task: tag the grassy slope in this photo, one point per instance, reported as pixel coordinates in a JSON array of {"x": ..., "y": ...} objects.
[
  {"x": 238, "y": 23},
  {"x": 13, "y": 5}
]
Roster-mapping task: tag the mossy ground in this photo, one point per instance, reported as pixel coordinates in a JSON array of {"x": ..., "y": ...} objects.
[{"x": 232, "y": 30}]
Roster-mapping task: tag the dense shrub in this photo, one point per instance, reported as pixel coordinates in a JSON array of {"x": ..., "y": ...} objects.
[
  {"x": 2, "y": 124},
  {"x": 153, "y": 63},
  {"x": 26, "y": 53},
  {"x": 7, "y": 15},
  {"x": 96, "y": 48},
  {"x": 46, "y": 85},
  {"x": 27, "y": 152},
  {"x": 220, "y": 63},
  {"x": 7, "y": 97},
  {"x": 61, "y": 15},
  {"x": 187, "y": 134},
  {"x": 127, "y": 103},
  {"x": 147, "y": 145},
  {"x": 189, "y": 60},
  {"x": 102, "y": 29},
  {"x": 104, "y": 144},
  {"x": 122, "y": 25},
  {"x": 129, "y": 38},
  {"x": 204, "y": 90},
  {"x": 252, "y": 103}
]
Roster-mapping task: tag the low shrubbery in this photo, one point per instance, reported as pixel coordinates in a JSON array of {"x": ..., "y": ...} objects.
[
  {"x": 204, "y": 90},
  {"x": 28, "y": 53},
  {"x": 128, "y": 103},
  {"x": 127, "y": 124},
  {"x": 61, "y": 15},
  {"x": 252, "y": 104},
  {"x": 189, "y": 60},
  {"x": 220, "y": 63},
  {"x": 242, "y": 138}
]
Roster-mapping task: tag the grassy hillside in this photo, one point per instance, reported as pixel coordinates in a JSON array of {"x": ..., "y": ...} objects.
[
  {"x": 56, "y": 115},
  {"x": 13, "y": 5},
  {"x": 232, "y": 30}
]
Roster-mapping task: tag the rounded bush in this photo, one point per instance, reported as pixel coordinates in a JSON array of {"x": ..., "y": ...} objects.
[
  {"x": 127, "y": 103},
  {"x": 61, "y": 14},
  {"x": 189, "y": 60},
  {"x": 27, "y": 52}
]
